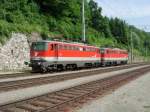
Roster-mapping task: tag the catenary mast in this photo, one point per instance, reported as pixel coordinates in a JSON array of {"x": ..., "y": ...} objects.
[{"x": 83, "y": 21}]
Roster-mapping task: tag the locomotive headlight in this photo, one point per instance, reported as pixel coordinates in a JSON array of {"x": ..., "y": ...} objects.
[{"x": 39, "y": 63}]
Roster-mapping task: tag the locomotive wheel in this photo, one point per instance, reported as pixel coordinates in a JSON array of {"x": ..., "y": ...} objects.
[
  {"x": 43, "y": 69},
  {"x": 74, "y": 67},
  {"x": 71, "y": 67},
  {"x": 60, "y": 67}
]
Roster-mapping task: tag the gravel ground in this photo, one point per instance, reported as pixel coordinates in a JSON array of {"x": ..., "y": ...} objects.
[
  {"x": 8, "y": 72},
  {"x": 133, "y": 97}
]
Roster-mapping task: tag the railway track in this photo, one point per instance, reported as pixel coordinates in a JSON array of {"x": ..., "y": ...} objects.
[
  {"x": 14, "y": 75},
  {"x": 19, "y": 84},
  {"x": 28, "y": 73},
  {"x": 70, "y": 98}
]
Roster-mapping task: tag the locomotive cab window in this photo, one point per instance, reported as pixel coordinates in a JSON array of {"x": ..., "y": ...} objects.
[
  {"x": 54, "y": 47},
  {"x": 39, "y": 46},
  {"x": 51, "y": 46}
]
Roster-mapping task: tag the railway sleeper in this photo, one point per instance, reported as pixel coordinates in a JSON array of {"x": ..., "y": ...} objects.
[
  {"x": 91, "y": 88},
  {"x": 40, "y": 103},
  {"x": 72, "y": 93},
  {"x": 85, "y": 89},
  {"x": 51, "y": 104},
  {"x": 58, "y": 98},
  {"x": 66, "y": 95},
  {"x": 81, "y": 91},
  {"x": 29, "y": 107},
  {"x": 14, "y": 109},
  {"x": 54, "y": 101},
  {"x": 77, "y": 90}
]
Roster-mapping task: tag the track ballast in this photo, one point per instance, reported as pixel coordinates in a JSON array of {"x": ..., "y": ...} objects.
[{"x": 63, "y": 100}]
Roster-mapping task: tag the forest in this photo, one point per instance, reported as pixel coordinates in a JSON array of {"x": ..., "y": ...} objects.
[{"x": 53, "y": 18}]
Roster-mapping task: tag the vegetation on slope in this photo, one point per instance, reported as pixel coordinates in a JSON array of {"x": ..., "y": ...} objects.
[{"x": 63, "y": 17}]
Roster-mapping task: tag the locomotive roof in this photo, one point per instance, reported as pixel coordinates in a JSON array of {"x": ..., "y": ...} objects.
[
  {"x": 73, "y": 43},
  {"x": 80, "y": 44},
  {"x": 113, "y": 49}
]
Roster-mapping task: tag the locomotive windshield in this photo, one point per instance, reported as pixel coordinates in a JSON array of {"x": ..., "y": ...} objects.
[{"x": 39, "y": 46}]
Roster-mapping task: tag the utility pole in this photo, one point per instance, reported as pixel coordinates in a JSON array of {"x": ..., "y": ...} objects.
[
  {"x": 131, "y": 47},
  {"x": 145, "y": 52},
  {"x": 83, "y": 21}
]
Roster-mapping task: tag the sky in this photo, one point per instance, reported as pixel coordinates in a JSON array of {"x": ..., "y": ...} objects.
[{"x": 134, "y": 12}]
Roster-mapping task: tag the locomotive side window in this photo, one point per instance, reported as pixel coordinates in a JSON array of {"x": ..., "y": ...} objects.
[
  {"x": 59, "y": 47},
  {"x": 98, "y": 51},
  {"x": 65, "y": 47},
  {"x": 102, "y": 51},
  {"x": 56, "y": 46},
  {"x": 87, "y": 49},
  {"x": 62, "y": 47},
  {"x": 74, "y": 48},
  {"x": 69, "y": 47},
  {"x": 81, "y": 48},
  {"x": 84, "y": 49},
  {"x": 92, "y": 49}
]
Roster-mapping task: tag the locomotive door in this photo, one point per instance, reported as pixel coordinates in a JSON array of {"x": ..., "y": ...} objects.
[
  {"x": 102, "y": 56},
  {"x": 56, "y": 52}
]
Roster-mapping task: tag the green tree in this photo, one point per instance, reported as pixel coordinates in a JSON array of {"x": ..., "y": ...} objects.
[{"x": 99, "y": 22}]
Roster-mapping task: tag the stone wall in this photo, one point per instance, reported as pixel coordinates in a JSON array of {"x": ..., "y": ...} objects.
[{"x": 15, "y": 52}]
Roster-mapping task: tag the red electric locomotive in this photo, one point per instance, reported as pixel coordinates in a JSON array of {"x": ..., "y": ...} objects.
[
  {"x": 113, "y": 56},
  {"x": 50, "y": 55}
]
